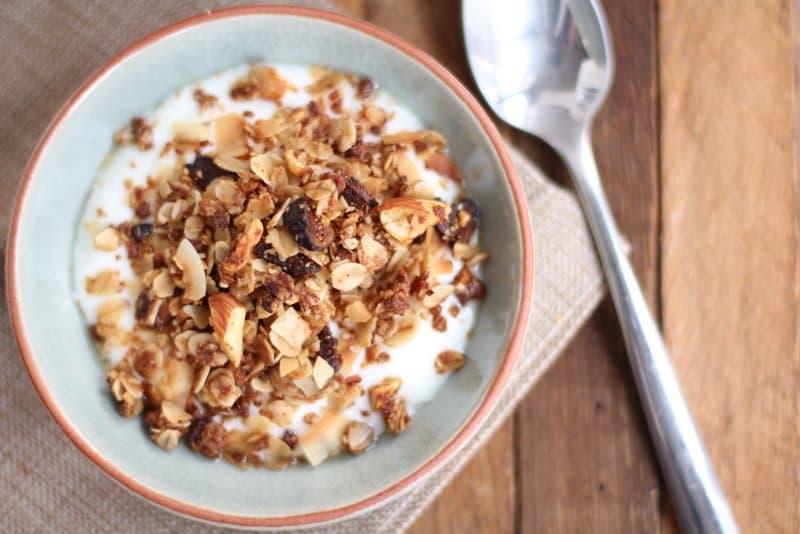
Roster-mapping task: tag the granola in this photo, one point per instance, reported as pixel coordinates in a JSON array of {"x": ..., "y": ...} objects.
[{"x": 294, "y": 272}]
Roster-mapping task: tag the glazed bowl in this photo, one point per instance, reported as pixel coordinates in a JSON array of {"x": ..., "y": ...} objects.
[{"x": 61, "y": 358}]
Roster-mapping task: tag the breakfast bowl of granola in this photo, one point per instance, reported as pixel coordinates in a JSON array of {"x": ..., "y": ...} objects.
[{"x": 269, "y": 267}]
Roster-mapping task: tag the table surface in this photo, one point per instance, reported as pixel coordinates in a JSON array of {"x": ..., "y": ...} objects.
[{"x": 696, "y": 146}]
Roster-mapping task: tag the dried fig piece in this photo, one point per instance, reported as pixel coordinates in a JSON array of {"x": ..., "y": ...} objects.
[
  {"x": 357, "y": 195},
  {"x": 307, "y": 230},
  {"x": 365, "y": 89},
  {"x": 203, "y": 171},
  {"x": 300, "y": 265},
  {"x": 327, "y": 349},
  {"x": 461, "y": 223}
]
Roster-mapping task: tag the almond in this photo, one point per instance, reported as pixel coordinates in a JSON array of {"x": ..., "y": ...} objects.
[
  {"x": 227, "y": 320},
  {"x": 406, "y": 218},
  {"x": 107, "y": 240}
]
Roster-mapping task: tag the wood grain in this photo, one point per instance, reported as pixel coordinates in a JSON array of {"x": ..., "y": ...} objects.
[
  {"x": 730, "y": 285},
  {"x": 586, "y": 461}
]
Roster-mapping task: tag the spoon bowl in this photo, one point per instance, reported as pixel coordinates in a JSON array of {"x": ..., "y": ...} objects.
[{"x": 543, "y": 66}]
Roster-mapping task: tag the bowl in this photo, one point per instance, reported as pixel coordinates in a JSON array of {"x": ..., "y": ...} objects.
[{"x": 61, "y": 358}]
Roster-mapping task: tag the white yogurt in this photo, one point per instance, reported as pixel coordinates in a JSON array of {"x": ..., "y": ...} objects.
[{"x": 128, "y": 166}]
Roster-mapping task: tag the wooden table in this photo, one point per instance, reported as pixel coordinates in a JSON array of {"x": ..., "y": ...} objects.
[{"x": 697, "y": 149}]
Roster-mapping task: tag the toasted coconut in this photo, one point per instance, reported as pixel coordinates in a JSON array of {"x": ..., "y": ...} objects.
[{"x": 194, "y": 275}]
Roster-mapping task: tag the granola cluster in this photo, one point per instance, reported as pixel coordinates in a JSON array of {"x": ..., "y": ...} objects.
[{"x": 272, "y": 256}]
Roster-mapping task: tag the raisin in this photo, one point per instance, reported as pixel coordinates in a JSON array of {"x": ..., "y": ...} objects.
[
  {"x": 313, "y": 107},
  {"x": 461, "y": 223},
  {"x": 261, "y": 250},
  {"x": 327, "y": 348},
  {"x": 142, "y": 305},
  {"x": 244, "y": 91},
  {"x": 360, "y": 151},
  {"x": 357, "y": 195},
  {"x": 204, "y": 171},
  {"x": 140, "y": 232},
  {"x": 366, "y": 88},
  {"x": 143, "y": 209},
  {"x": 290, "y": 438},
  {"x": 307, "y": 230},
  {"x": 300, "y": 265}
]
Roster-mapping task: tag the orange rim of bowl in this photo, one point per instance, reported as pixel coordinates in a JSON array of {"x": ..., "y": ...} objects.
[{"x": 477, "y": 417}]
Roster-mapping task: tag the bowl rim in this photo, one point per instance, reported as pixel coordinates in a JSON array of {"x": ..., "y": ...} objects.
[{"x": 478, "y": 416}]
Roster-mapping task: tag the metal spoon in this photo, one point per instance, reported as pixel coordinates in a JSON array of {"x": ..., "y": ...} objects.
[{"x": 545, "y": 66}]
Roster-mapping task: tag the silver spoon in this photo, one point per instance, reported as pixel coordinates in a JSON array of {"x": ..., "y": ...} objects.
[{"x": 545, "y": 67}]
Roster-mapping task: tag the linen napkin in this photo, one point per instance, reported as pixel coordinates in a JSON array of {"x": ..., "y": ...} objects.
[{"x": 47, "y": 484}]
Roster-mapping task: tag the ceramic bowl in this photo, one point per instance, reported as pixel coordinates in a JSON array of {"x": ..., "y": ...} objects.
[{"x": 62, "y": 360}]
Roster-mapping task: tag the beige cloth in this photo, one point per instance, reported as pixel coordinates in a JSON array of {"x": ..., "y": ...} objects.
[{"x": 46, "y": 484}]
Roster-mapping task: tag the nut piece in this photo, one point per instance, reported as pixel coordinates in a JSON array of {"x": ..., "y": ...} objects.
[
  {"x": 442, "y": 164},
  {"x": 240, "y": 255},
  {"x": 396, "y": 417},
  {"x": 384, "y": 392},
  {"x": 429, "y": 137},
  {"x": 106, "y": 282},
  {"x": 289, "y": 332},
  {"x": 227, "y": 320},
  {"x": 107, "y": 240},
  {"x": 347, "y": 276},
  {"x": 437, "y": 295},
  {"x": 110, "y": 312},
  {"x": 357, "y": 312},
  {"x": 406, "y": 218},
  {"x": 372, "y": 254},
  {"x": 448, "y": 361},
  {"x": 358, "y": 437}
]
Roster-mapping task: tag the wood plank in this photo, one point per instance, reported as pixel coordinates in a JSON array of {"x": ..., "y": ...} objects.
[
  {"x": 584, "y": 461},
  {"x": 730, "y": 243},
  {"x": 585, "y": 458},
  {"x": 482, "y": 497}
]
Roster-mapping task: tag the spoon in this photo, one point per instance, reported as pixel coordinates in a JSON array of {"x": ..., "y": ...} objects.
[{"x": 545, "y": 67}]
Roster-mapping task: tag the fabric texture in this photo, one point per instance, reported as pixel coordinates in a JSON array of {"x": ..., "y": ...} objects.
[{"x": 46, "y": 483}]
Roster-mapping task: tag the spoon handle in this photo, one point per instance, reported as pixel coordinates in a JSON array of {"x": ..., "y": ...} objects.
[{"x": 696, "y": 494}]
